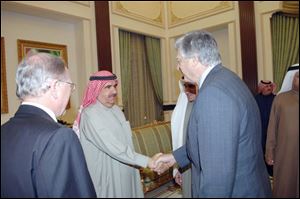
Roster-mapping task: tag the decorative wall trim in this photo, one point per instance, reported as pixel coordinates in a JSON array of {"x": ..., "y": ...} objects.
[
  {"x": 215, "y": 8},
  {"x": 291, "y": 7},
  {"x": 119, "y": 7},
  {"x": 84, "y": 3},
  {"x": 4, "y": 99},
  {"x": 248, "y": 44},
  {"x": 24, "y": 46},
  {"x": 103, "y": 35}
]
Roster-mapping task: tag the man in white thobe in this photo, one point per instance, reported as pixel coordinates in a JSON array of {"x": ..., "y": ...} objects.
[
  {"x": 179, "y": 122},
  {"x": 105, "y": 136}
]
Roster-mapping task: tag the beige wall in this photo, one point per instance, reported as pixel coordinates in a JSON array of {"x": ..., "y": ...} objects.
[
  {"x": 263, "y": 14},
  {"x": 169, "y": 20},
  {"x": 55, "y": 32},
  {"x": 72, "y": 23}
]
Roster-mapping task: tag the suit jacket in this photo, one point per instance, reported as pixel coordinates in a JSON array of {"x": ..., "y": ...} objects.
[
  {"x": 224, "y": 140},
  {"x": 41, "y": 158}
]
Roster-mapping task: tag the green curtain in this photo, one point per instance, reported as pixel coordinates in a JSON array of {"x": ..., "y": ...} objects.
[
  {"x": 154, "y": 62},
  {"x": 142, "y": 105},
  {"x": 124, "y": 38},
  {"x": 285, "y": 45}
]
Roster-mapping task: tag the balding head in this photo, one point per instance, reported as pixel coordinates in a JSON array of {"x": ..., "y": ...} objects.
[{"x": 34, "y": 72}]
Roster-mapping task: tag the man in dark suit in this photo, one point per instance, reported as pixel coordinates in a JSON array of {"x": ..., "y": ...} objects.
[
  {"x": 40, "y": 157},
  {"x": 224, "y": 133},
  {"x": 264, "y": 99}
]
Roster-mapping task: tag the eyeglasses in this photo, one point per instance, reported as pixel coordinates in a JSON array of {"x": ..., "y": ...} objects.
[
  {"x": 178, "y": 61},
  {"x": 72, "y": 85},
  {"x": 190, "y": 87}
]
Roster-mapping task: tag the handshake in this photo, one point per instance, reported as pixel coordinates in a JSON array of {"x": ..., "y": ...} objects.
[{"x": 161, "y": 162}]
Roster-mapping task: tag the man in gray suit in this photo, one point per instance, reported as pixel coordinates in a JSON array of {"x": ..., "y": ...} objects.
[{"x": 224, "y": 133}]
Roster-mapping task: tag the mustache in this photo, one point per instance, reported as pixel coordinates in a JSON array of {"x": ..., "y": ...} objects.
[{"x": 113, "y": 95}]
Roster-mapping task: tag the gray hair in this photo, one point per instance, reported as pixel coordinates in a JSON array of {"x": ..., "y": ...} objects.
[
  {"x": 200, "y": 44},
  {"x": 35, "y": 71}
]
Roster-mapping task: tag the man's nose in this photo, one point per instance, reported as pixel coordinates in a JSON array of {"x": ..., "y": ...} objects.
[{"x": 114, "y": 89}]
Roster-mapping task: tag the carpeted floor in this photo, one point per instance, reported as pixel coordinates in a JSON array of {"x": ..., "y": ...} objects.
[
  {"x": 169, "y": 190},
  {"x": 170, "y": 193}
]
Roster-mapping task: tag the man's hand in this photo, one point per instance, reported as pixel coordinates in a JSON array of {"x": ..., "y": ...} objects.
[
  {"x": 152, "y": 161},
  {"x": 178, "y": 178},
  {"x": 163, "y": 162},
  {"x": 269, "y": 159},
  {"x": 158, "y": 167}
]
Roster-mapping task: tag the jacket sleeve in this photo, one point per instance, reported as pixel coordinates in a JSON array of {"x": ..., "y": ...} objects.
[
  {"x": 181, "y": 157},
  {"x": 61, "y": 170}
]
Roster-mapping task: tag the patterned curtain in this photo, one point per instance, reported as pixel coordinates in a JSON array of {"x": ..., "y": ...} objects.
[{"x": 285, "y": 44}]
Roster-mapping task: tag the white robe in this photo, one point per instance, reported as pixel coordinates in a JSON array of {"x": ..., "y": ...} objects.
[
  {"x": 106, "y": 140},
  {"x": 178, "y": 122},
  {"x": 177, "y": 119}
]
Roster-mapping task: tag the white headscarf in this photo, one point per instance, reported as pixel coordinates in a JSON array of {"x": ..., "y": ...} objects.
[
  {"x": 263, "y": 83},
  {"x": 288, "y": 79}
]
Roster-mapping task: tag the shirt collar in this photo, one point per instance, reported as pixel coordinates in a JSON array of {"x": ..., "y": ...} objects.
[
  {"x": 47, "y": 110},
  {"x": 204, "y": 75}
]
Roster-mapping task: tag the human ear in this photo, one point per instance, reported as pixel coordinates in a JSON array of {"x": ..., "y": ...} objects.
[
  {"x": 195, "y": 60},
  {"x": 54, "y": 89}
]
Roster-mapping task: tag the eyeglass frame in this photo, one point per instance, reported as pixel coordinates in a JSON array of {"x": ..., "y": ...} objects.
[
  {"x": 73, "y": 85},
  {"x": 189, "y": 87}
]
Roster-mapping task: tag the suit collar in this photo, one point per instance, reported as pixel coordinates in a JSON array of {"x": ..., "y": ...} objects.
[
  {"x": 216, "y": 68},
  {"x": 211, "y": 73},
  {"x": 206, "y": 73},
  {"x": 34, "y": 111}
]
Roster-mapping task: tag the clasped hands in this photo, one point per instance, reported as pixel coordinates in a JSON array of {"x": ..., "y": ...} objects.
[{"x": 161, "y": 162}]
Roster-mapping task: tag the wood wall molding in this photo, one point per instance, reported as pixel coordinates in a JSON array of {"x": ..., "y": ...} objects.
[
  {"x": 4, "y": 99},
  {"x": 103, "y": 35},
  {"x": 291, "y": 8},
  {"x": 248, "y": 44},
  {"x": 83, "y": 3}
]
